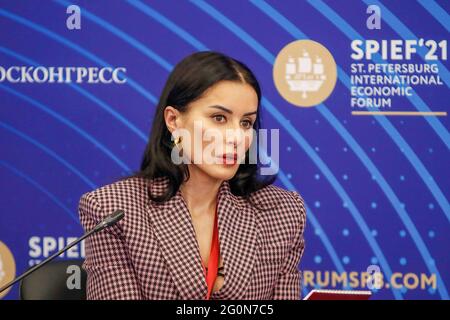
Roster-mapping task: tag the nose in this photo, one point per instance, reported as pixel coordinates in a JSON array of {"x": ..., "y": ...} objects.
[{"x": 234, "y": 138}]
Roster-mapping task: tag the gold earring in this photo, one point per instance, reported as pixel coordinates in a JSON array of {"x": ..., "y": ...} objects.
[{"x": 177, "y": 140}]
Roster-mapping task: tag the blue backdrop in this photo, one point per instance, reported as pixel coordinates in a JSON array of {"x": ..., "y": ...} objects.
[{"x": 376, "y": 187}]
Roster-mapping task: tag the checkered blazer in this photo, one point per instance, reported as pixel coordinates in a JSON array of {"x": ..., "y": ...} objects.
[{"x": 152, "y": 253}]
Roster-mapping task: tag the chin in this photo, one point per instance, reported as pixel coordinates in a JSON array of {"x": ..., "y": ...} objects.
[{"x": 220, "y": 172}]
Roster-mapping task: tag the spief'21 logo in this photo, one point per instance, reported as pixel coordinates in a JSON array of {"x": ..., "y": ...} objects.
[
  {"x": 305, "y": 73},
  {"x": 7, "y": 267}
]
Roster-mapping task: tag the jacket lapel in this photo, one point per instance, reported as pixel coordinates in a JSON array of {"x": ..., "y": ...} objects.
[
  {"x": 176, "y": 235},
  {"x": 238, "y": 243}
]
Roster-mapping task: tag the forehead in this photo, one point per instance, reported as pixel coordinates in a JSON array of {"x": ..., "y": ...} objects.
[{"x": 232, "y": 95}]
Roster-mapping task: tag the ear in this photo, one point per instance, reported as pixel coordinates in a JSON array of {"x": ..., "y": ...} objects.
[{"x": 172, "y": 118}]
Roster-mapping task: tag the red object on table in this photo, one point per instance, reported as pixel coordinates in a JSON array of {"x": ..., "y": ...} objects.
[{"x": 318, "y": 294}]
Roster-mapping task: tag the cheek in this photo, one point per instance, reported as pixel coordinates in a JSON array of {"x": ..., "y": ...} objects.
[
  {"x": 248, "y": 139},
  {"x": 209, "y": 138},
  {"x": 205, "y": 143},
  {"x": 196, "y": 128},
  {"x": 213, "y": 139}
]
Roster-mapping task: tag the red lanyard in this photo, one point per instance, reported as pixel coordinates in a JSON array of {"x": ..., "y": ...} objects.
[{"x": 213, "y": 262}]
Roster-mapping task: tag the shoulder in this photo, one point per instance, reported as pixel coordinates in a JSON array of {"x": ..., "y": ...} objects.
[
  {"x": 277, "y": 204},
  {"x": 132, "y": 187},
  {"x": 272, "y": 197},
  {"x": 120, "y": 194}
]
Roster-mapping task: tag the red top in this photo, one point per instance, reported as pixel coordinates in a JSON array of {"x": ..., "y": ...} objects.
[{"x": 213, "y": 262}]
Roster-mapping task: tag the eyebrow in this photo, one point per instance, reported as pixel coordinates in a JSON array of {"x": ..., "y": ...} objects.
[{"x": 229, "y": 111}]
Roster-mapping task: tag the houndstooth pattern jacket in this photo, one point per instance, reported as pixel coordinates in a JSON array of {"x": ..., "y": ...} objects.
[{"x": 152, "y": 253}]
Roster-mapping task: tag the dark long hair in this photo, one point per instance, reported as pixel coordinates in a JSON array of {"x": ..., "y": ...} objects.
[{"x": 188, "y": 81}]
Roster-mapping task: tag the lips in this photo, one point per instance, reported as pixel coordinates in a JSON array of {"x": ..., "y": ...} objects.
[
  {"x": 231, "y": 156},
  {"x": 229, "y": 159}
]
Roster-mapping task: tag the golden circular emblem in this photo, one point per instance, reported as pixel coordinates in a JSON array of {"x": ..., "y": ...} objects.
[
  {"x": 7, "y": 267},
  {"x": 305, "y": 73}
]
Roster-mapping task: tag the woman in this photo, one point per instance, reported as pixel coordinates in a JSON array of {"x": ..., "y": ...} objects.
[{"x": 198, "y": 229}]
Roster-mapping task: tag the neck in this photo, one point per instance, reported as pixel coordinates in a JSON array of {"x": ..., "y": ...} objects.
[{"x": 200, "y": 192}]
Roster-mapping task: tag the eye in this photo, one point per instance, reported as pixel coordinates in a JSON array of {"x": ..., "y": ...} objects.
[
  {"x": 247, "y": 124},
  {"x": 219, "y": 118}
]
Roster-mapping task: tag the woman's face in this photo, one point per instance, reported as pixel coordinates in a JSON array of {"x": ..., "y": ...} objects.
[{"x": 216, "y": 129}]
